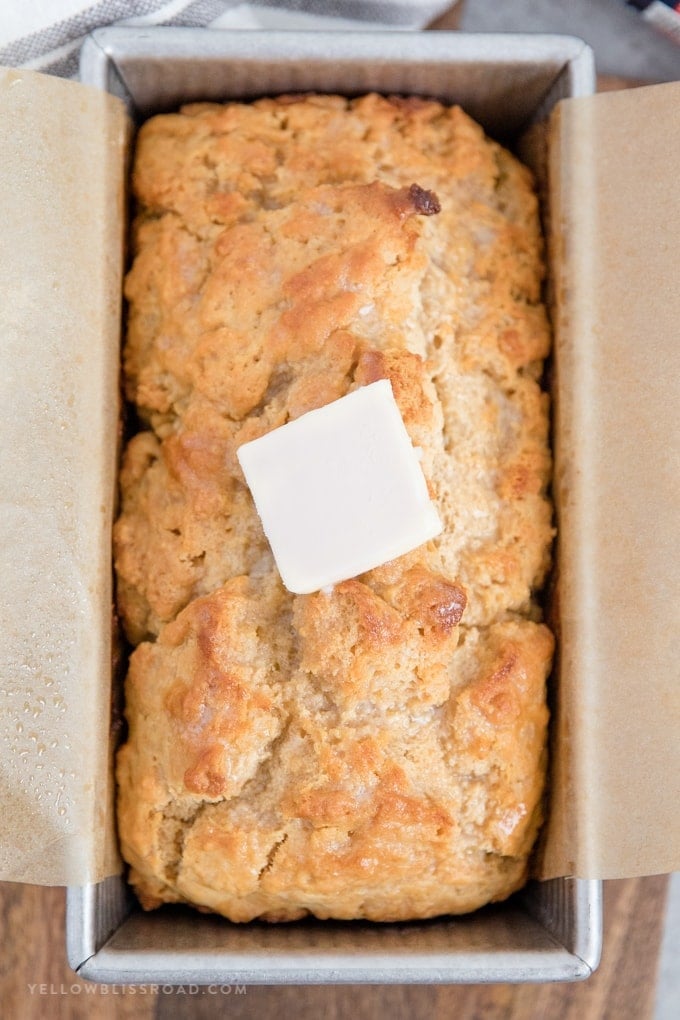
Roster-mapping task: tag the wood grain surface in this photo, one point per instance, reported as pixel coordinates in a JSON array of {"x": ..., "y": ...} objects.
[{"x": 36, "y": 982}]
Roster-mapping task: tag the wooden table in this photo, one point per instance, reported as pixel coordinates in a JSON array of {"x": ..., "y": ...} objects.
[{"x": 35, "y": 980}]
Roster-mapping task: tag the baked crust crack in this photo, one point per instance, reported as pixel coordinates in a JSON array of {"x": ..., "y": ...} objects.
[{"x": 271, "y": 855}]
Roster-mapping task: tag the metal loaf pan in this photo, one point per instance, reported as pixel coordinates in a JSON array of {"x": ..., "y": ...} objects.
[{"x": 552, "y": 930}]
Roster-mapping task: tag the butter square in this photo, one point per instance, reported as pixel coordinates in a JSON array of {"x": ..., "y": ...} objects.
[{"x": 340, "y": 490}]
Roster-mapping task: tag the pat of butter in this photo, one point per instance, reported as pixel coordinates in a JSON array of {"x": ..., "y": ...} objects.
[{"x": 339, "y": 490}]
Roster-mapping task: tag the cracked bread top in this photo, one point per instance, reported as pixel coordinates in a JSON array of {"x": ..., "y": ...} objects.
[
  {"x": 275, "y": 244},
  {"x": 376, "y": 752},
  {"x": 357, "y": 760}
]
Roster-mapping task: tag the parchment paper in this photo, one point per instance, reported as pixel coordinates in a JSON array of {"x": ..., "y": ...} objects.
[
  {"x": 61, "y": 218},
  {"x": 615, "y": 791}
]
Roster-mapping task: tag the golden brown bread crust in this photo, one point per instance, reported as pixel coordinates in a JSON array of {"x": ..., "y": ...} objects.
[
  {"x": 376, "y": 752},
  {"x": 274, "y": 246},
  {"x": 387, "y": 775}
]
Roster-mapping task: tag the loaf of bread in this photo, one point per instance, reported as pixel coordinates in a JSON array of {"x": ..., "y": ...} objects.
[{"x": 378, "y": 751}]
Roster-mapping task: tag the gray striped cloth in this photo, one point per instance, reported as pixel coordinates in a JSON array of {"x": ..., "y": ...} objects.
[{"x": 48, "y": 36}]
